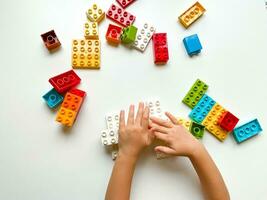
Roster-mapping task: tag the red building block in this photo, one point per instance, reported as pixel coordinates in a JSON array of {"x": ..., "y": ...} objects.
[
  {"x": 125, "y": 3},
  {"x": 228, "y": 121},
  {"x": 78, "y": 92},
  {"x": 160, "y": 46},
  {"x": 113, "y": 34},
  {"x": 65, "y": 81},
  {"x": 120, "y": 16},
  {"x": 50, "y": 40}
]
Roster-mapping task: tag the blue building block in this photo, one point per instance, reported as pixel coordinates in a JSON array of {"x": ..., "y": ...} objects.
[
  {"x": 247, "y": 131},
  {"x": 202, "y": 109},
  {"x": 192, "y": 45},
  {"x": 53, "y": 98}
]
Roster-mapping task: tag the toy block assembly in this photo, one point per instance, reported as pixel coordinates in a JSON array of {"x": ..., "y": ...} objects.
[
  {"x": 65, "y": 81},
  {"x": 160, "y": 46},
  {"x": 113, "y": 34},
  {"x": 53, "y": 98},
  {"x": 70, "y": 107},
  {"x": 191, "y": 14},
  {"x": 95, "y": 14},
  {"x": 109, "y": 137},
  {"x": 192, "y": 45},
  {"x": 201, "y": 110},
  {"x": 128, "y": 34},
  {"x": 228, "y": 121},
  {"x": 125, "y": 3},
  {"x": 91, "y": 30},
  {"x": 247, "y": 131},
  {"x": 195, "y": 93},
  {"x": 143, "y": 37},
  {"x": 197, "y": 130},
  {"x": 120, "y": 16},
  {"x": 86, "y": 54},
  {"x": 112, "y": 121},
  {"x": 50, "y": 40},
  {"x": 211, "y": 122}
]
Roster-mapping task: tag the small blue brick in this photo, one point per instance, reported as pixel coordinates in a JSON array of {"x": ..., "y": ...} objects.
[
  {"x": 53, "y": 98},
  {"x": 247, "y": 131},
  {"x": 192, "y": 45},
  {"x": 202, "y": 109}
]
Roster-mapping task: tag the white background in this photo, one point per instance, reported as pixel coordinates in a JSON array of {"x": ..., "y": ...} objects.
[{"x": 39, "y": 160}]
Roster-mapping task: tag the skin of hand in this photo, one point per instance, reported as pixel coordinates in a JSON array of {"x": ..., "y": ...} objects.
[{"x": 134, "y": 137}]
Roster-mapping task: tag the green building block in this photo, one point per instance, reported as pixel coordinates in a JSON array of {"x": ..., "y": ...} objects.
[
  {"x": 197, "y": 130},
  {"x": 195, "y": 93},
  {"x": 128, "y": 34}
]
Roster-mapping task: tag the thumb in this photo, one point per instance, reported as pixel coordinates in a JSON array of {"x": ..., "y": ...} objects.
[{"x": 165, "y": 149}]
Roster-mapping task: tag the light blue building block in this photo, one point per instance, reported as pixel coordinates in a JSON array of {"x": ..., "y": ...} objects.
[
  {"x": 247, "y": 131},
  {"x": 202, "y": 109},
  {"x": 192, "y": 45},
  {"x": 53, "y": 98}
]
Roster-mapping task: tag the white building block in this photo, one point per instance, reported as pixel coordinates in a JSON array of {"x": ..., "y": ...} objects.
[
  {"x": 113, "y": 120},
  {"x": 109, "y": 137}
]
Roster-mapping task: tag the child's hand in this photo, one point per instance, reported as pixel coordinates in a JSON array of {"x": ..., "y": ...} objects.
[
  {"x": 178, "y": 140},
  {"x": 135, "y": 135}
]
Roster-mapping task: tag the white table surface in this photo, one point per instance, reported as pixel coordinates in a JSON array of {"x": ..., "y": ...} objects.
[{"x": 38, "y": 160}]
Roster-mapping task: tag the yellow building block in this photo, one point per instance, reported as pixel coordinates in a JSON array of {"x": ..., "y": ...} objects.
[
  {"x": 95, "y": 14},
  {"x": 91, "y": 30},
  {"x": 184, "y": 122},
  {"x": 86, "y": 54},
  {"x": 191, "y": 14},
  {"x": 211, "y": 122},
  {"x": 66, "y": 116}
]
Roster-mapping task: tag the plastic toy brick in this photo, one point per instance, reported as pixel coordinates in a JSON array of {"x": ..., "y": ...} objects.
[
  {"x": 120, "y": 16},
  {"x": 113, "y": 34},
  {"x": 155, "y": 108},
  {"x": 125, "y": 3},
  {"x": 160, "y": 46},
  {"x": 86, "y": 54},
  {"x": 184, "y": 122},
  {"x": 53, "y": 98},
  {"x": 128, "y": 34},
  {"x": 202, "y": 109},
  {"x": 211, "y": 122},
  {"x": 192, "y": 45},
  {"x": 50, "y": 40},
  {"x": 228, "y": 121},
  {"x": 114, "y": 151},
  {"x": 78, "y": 92},
  {"x": 95, "y": 14},
  {"x": 66, "y": 116},
  {"x": 109, "y": 137},
  {"x": 65, "y": 81},
  {"x": 247, "y": 131},
  {"x": 197, "y": 130},
  {"x": 143, "y": 37},
  {"x": 112, "y": 121},
  {"x": 91, "y": 30},
  {"x": 72, "y": 102},
  {"x": 195, "y": 93},
  {"x": 191, "y": 14}
]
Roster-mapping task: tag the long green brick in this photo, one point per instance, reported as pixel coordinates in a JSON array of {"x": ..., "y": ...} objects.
[{"x": 195, "y": 93}]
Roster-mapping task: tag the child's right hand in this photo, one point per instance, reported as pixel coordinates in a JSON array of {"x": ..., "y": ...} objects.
[{"x": 179, "y": 141}]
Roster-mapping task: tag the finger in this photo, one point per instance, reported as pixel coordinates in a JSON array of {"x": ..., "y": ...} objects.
[
  {"x": 122, "y": 120},
  {"x": 158, "y": 128},
  {"x": 161, "y": 136},
  {"x": 140, "y": 112},
  {"x": 145, "y": 118},
  {"x": 172, "y": 118},
  {"x": 162, "y": 122},
  {"x": 131, "y": 115},
  {"x": 165, "y": 150}
]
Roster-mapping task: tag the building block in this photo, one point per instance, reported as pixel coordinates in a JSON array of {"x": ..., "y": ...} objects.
[
  {"x": 195, "y": 93},
  {"x": 201, "y": 110},
  {"x": 155, "y": 108},
  {"x": 120, "y": 16},
  {"x": 160, "y": 47},
  {"x": 109, "y": 137},
  {"x": 197, "y": 130},
  {"x": 128, "y": 34},
  {"x": 113, "y": 34},
  {"x": 53, "y": 98},
  {"x": 211, "y": 122},
  {"x": 50, "y": 40},
  {"x": 125, "y": 3},
  {"x": 70, "y": 107},
  {"x": 113, "y": 120},
  {"x": 86, "y": 54},
  {"x": 143, "y": 37},
  {"x": 191, "y": 14},
  {"x": 247, "y": 131},
  {"x": 184, "y": 122},
  {"x": 95, "y": 14},
  {"x": 228, "y": 121},
  {"x": 65, "y": 81},
  {"x": 192, "y": 45},
  {"x": 91, "y": 30}
]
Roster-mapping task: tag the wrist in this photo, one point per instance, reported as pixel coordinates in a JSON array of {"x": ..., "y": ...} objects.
[
  {"x": 127, "y": 157},
  {"x": 197, "y": 151}
]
